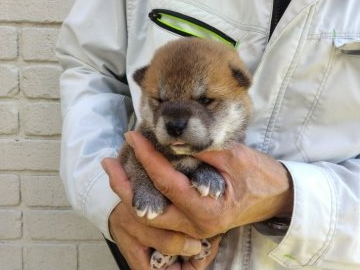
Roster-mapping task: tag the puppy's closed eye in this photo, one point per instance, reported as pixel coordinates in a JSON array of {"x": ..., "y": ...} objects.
[{"x": 205, "y": 100}]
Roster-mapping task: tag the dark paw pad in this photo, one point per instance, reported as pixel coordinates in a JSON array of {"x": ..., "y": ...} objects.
[
  {"x": 159, "y": 260},
  {"x": 205, "y": 250}
]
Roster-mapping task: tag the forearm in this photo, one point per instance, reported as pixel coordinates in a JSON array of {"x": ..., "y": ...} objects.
[
  {"x": 85, "y": 143},
  {"x": 96, "y": 104}
]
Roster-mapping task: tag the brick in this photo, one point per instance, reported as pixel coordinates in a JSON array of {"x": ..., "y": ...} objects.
[
  {"x": 39, "y": 44},
  {"x": 29, "y": 155},
  {"x": 41, "y": 81},
  {"x": 45, "y": 257},
  {"x": 43, "y": 191},
  {"x": 8, "y": 43},
  {"x": 10, "y": 224},
  {"x": 95, "y": 257},
  {"x": 9, "y": 116},
  {"x": 58, "y": 225},
  {"x": 10, "y": 257},
  {"x": 9, "y": 81},
  {"x": 42, "y": 119},
  {"x": 34, "y": 10},
  {"x": 9, "y": 190}
]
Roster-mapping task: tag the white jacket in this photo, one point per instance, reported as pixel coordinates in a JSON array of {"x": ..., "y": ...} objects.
[{"x": 306, "y": 95}]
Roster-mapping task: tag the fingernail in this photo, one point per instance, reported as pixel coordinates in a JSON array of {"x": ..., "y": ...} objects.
[
  {"x": 191, "y": 247},
  {"x": 129, "y": 139}
]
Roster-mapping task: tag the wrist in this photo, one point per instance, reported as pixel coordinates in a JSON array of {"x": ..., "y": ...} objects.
[
  {"x": 287, "y": 197},
  {"x": 279, "y": 223}
]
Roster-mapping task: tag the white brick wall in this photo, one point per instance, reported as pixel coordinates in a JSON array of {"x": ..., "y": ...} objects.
[{"x": 38, "y": 229}]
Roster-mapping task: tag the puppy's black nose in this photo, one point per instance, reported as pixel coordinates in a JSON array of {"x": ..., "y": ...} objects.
[{"x": 176, "y": 127}]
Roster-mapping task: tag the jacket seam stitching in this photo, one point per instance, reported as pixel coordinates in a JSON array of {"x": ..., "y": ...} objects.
[
  {"x": 333, "y": 221},
  {"x": 331, "y": 231},
  {"x": 87, "y": 189},
  {"x": 125, "y": 128},
  {"x": 280, "y": 97},
  {"x": 330, "y": 36},
  {"x": 247, "y": 231},
  {"x": 314, "y": 106},
  {"x": 93, "y": 181}
]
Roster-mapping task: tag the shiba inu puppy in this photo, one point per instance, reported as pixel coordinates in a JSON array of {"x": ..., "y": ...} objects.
[{"x": 194, "y": 98}]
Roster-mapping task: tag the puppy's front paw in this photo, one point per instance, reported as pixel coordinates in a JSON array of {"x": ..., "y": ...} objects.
[
  {"x": 149, "y": 202},
  {"x": 159, "y": 260},
  {"x": 208, "y": 181},
  {"x": 205, "y": 250}
]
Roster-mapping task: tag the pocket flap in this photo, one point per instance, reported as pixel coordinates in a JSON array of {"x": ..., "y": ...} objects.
[{"x": 347, "y": 45}]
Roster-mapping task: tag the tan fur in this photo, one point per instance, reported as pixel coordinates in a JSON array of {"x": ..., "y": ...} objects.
[
  {"x": 194, "y": 98},
  {"x": 181, "y": 61}
]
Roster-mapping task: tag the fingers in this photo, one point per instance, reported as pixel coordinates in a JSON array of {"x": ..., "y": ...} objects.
[
  {"x": 203, "y": 264},
  {"x": 165, "y": 241},
  {"x": 238, "y": 155},
  {"x": 136, "y": 255},
  {"x": 217, "y": 159},
  {"x": 169, "y": 220},
  {"x": 192, "y": 214},
  {"x": 175, "y": 220},
  {"x": 119, "y": 182},
  {"x": 175, "y": 266},
  {"x": 224, "y": 159},
  {"x": 166, "y": 179},
  {"x": 168, "y": 242}
]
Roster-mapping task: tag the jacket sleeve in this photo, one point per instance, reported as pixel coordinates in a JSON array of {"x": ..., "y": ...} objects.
[
  {"x": 325, "y": 226},
  {"x": 96, "y": 104}
]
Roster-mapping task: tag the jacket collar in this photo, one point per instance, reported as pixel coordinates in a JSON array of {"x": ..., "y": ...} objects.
[{"x": 294, "y": 9}]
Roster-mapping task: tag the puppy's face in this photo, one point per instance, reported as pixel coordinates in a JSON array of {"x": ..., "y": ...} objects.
[{"x": 194, "y": 95}]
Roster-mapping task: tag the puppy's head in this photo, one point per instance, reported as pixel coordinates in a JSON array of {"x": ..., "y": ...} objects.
[{"x": 194, "y": 95}]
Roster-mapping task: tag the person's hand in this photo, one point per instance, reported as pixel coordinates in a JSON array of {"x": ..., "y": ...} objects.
[
  {"x": 134, "y": 238},
  {"x": 199, "y": 264},
  {"x": 257, "y": 188}
]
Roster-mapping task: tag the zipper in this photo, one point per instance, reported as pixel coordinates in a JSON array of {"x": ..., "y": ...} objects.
[
  {"x": 186, "y": 26},
  {"x": 279, "y": 7}
]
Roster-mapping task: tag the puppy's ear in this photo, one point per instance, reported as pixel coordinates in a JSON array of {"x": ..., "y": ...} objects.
[
  {"x": 139, "y": 75},
  {"x": 241, "y": 76}
]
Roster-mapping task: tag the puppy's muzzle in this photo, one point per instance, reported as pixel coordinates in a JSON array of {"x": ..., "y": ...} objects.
[
  {"x": 176, "y": 127},
  {"x": 176, "y": 116}
]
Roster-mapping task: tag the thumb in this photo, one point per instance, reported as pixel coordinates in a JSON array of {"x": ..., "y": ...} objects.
[
  {"x": 204, "y": 263},
  {"x": 118, "y": 180},
  {"x": 216, "y": 158}
]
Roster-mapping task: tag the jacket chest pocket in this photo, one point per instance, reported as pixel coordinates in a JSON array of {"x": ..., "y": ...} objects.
[
  {"x": 172, "y": 19},
  {"x": 187, "y": 26},
  {"x": 348, "y": 46},
  {"x": 331, "y": 129}
]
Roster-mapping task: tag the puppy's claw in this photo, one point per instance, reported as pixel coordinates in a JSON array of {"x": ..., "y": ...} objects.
[
  {"x": 205, "y": 250},
  {"x": 204, "y": 190},
  {"x": 149, "y": 203},
  {"x": 216, "y": 195},
  {"x": 148, "y": 212},
  {"x": 205, "y": 244},
  {"x": 152, "y": 214},
  {"x": 208, "y": 181},
  {"x": 159, "y": 260},
  {"x": 142, "y": 212}
]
